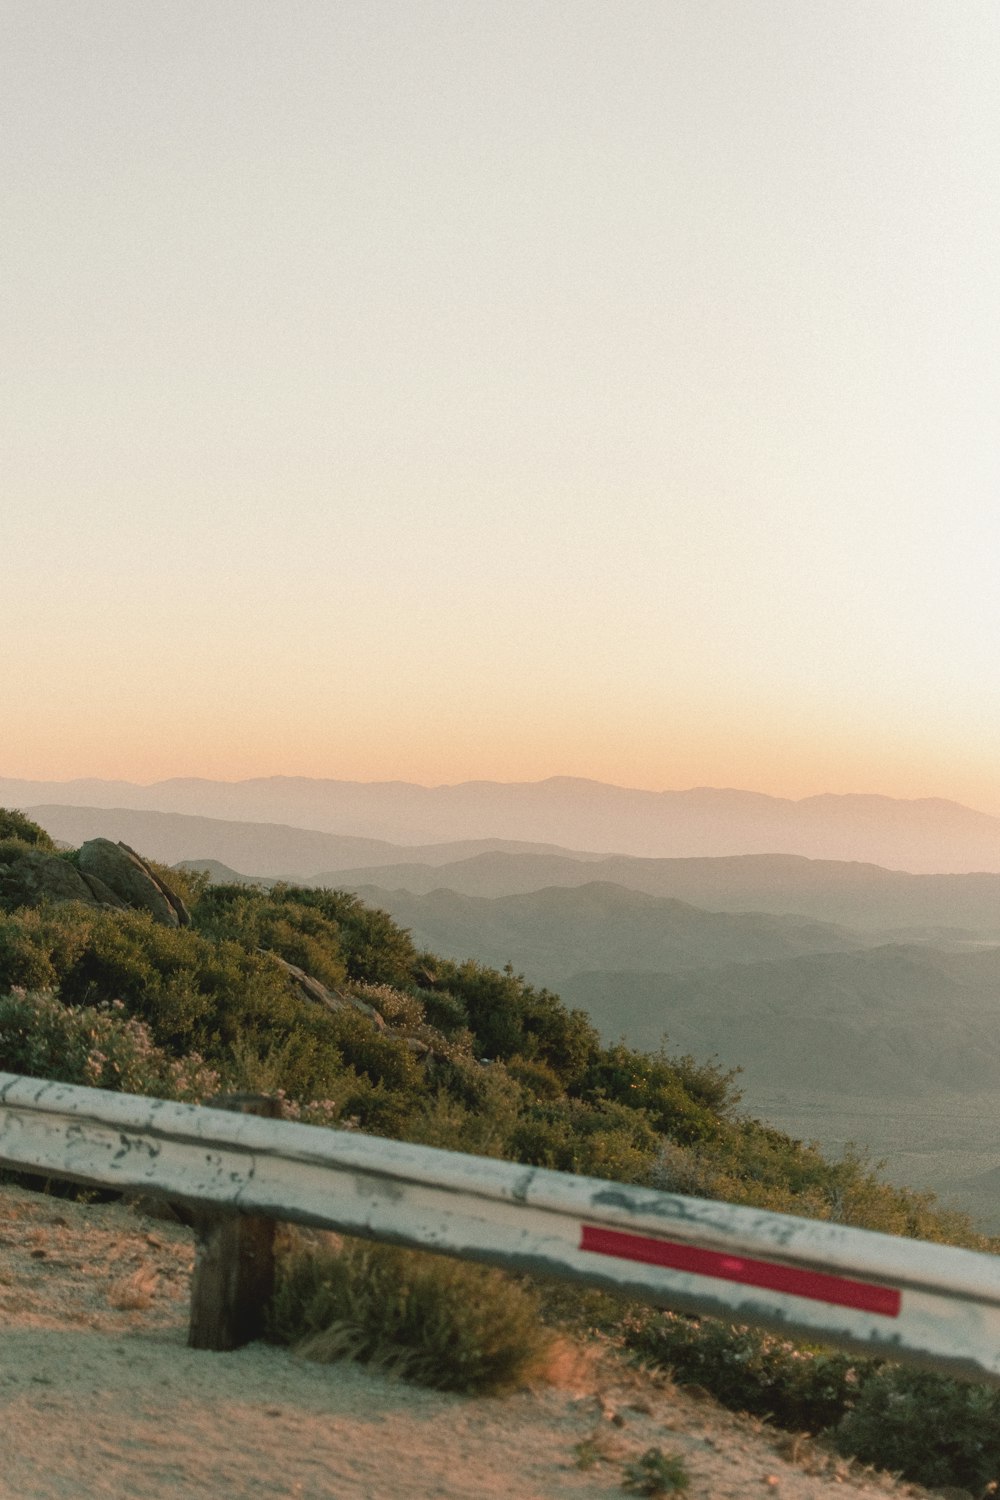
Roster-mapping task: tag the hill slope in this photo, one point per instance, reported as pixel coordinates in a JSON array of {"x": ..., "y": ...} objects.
[
  {"x": 551, "y": 934},
  {"x": 898, "y": 1020}
]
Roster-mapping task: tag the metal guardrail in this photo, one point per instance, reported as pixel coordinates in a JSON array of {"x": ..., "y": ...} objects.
[{"x": 901, "y": 1299}]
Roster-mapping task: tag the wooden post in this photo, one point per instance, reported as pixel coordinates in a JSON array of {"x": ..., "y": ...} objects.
[{"x": 233, "y": 1279}]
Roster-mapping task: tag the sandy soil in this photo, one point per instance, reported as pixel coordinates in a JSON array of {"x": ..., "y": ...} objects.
[{"x": 100, "y": 1397}]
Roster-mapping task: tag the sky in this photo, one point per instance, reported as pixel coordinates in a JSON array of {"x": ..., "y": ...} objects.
[{"x": 424, "y": 390}]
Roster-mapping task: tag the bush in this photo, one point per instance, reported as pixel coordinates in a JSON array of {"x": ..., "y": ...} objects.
[
  {"x": 14, "y": 825},
  {"x": 277, "y": 922},
  {"x": 748, "y": 1370},
  {"x": 98, "y": 1046},
  {"x": 927, "y": 1428},
  {"x": 510, "y": 1018},
  {"x": 656, "y": 1473},
  {"x": 374, "y": 949},
  {"x": 441, "y": 1323},
  {"x": 658, "y": 1084}
]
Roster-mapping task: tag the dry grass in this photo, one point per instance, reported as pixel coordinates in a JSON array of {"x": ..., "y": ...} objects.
[
  {"x": 134, "y": 1293},
  {"x": 441, "y": 1323}
]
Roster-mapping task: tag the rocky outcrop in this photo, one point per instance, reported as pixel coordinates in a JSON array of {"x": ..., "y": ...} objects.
[
  {"x": 308, "y": 988},
  {"x": 29, "y": 876},
  {"x": 120, "y": 869}
]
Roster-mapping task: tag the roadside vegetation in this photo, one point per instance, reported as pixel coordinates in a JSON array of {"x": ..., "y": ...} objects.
[{"x": 405, "y": 1044}]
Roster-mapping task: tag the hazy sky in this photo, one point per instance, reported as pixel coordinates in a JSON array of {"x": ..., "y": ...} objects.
[{"x": 398, "y": 388}]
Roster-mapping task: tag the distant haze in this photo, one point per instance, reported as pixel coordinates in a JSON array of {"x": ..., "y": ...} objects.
[{"x": 928, "y": 835}]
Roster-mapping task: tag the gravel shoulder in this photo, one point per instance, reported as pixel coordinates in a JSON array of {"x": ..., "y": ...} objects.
[{"x": 100, "y": 1397}]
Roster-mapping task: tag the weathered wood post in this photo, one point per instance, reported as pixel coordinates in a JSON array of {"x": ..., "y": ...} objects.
[{"x": 233, "y": 1278}]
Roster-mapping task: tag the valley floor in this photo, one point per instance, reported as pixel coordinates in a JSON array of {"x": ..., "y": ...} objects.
[
  {"x": 100, "y": 1397},
  {"x": 947, "y": 1143}
]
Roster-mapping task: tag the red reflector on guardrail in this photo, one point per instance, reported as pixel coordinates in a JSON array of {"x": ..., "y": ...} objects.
[{"x": 866, "y": 1296}]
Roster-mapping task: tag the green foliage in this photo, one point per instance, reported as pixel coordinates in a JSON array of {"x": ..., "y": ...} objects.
[
  {"x": 748, "y": 1370},
  {"x": 927, "y": 1428},
  {"x": 659, "y": 1085},
  {"x": 447, "y": 1324},
  {"x": 14, "y": 825},
  {"x": 190, "y": 885},
  {"x": 442, "y": 1009},
  {"x": 275, "y": 921},
  {"x": 601, "y": 1139},
  {"x": 375, "y": 950},
  {"x": 656, "y": 1473},
  {"x": 510, "y": 1018}
]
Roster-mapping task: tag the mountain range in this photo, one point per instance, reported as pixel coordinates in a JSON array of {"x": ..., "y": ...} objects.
[
  {"x": 929, "y": 835},
  {"x": 552, "y": 934}
]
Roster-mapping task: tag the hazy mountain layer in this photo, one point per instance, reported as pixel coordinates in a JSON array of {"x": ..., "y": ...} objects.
[
  {"x": 925, "y": 835},
  {"x": 551, "y": 934},
  {"x": 897, "y": 1020},
  {"x": 253, "y": 848},
  {"x": 853, "y": 895}
]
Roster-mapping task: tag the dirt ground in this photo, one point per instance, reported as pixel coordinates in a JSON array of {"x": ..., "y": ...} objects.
[{"x": 100, "y": 1397}]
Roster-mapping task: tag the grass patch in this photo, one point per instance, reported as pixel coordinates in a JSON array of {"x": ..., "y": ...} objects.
[
  {"x": 656, "y": 1473},
  {"x": 443, "y": 1323}
]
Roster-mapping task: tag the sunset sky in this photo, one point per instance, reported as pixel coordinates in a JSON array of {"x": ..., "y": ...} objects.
[{"x": 423, "y": 390}]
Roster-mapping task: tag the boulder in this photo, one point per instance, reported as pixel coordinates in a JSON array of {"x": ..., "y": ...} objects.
[
  {"x": 103, "y": 894},
  {"x": 29, "y": 876},
  {"x": 130, "y": 878},
  {"x": 309, "y": 988}
]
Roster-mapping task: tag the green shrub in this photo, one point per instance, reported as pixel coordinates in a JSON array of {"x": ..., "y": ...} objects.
[
  {"x": 447, "y": 1324},
  {"x": 14, "y": 825},
  {"x": 927, "y": 1428},
  {"x": 277, "y": 922},
  {"x": 374, "y": 949},
  {"x": 537, "y": 1077},
  {"x": 749, "y": 1370},
  {"x": 656, "y": 1473},
  {"x": 655, "y": 1083},
  {"x": 444, "y": 1010},
  {"x": 396, "y": 1007},
  {"x": 510, "y": 1018}
]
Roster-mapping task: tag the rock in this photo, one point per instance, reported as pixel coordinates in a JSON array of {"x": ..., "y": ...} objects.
[
  {"x": 304, "y": 985},
  {"x": 103, "y": 893},
  {"x": 308, "y": 988},
  {"x": 132, "y": 880},
  {"x": 31, "y": 876}
]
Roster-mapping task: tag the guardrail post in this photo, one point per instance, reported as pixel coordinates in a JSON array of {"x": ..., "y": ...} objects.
[{"x": 233, "y": 1277}]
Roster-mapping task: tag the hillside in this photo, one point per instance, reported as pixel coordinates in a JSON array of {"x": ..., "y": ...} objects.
[
  {"x": 929, "y": 834},
  {"x": 117, "y": 973},
  {"x": 897, "y": 1020},
  {"x": 550, "y": 935}
]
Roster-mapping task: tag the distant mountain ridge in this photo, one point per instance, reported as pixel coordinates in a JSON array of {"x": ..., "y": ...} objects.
[
  {"x": 928, "y": 835},
  {"x": 271, "y": 849},
  {"x": 862, "y": 896}
]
